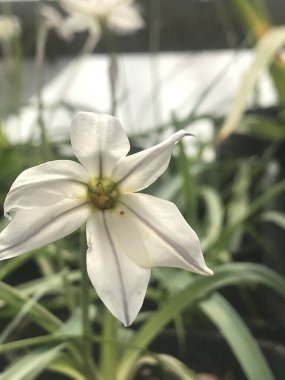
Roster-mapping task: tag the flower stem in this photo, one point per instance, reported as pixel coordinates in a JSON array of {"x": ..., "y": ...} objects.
[
  {"x": 189, "y": 187},
  {"x": 113, "y": 66},
  {"x": 86, "y": 326},
  {"x": 154, "y": 46},
  {"x": 189, "y": 184},
  {"x": 40, "y": 55},
  {"x": 109, "y": 347},
  {"x": 68, "y": 291}
]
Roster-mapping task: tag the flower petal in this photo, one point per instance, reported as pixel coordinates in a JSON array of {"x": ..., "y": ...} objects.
[
  {"x": 119, "y": 282},
  {"x": 32, "y": 229},
  {"x": 98, "y": 142},
  {"x": 125, "y": 19},
  {"x": 46, "y": 184},
  {"x": 127, "y": 237},
  {"x": 78, "y": 6},
  {"x": 140, "y": 170},
  {"x": 170, "y": 241},
  {"x": 51, "y": 16},
  {"x": 78, "y": 23}
]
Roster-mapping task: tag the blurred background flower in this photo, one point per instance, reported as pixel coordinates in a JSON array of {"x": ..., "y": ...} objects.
[{"x": 9, "y": 27}]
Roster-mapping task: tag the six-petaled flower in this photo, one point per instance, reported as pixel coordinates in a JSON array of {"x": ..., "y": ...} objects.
[{"x": 127, "y": 232}]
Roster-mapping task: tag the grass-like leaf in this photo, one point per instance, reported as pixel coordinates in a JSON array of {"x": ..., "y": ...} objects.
[
  {"x": 230, "y": 274},
  {"x": 214, "y": 216},
  {"x": 16, "y": 299},
  {"x": 275, "y": 217},
  {"x": 238, "y": 336},
  {"x": 266, "y": 50},
  {"x": 32, "y": 364}
]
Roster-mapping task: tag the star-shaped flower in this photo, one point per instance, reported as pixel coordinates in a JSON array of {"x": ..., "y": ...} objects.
[
  {"x": 127, "y": 232},
  {"x": 120, "y": 16}
]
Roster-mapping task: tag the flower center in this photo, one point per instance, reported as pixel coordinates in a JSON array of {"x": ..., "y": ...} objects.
[{"x": 103, "y": 193}]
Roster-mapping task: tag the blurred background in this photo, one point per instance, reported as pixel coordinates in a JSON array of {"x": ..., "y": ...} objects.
[
  {"x": 213, "y": 67},
  {"x": 162, "y": 67}
]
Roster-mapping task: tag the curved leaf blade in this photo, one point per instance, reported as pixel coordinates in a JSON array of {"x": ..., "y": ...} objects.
[
  {"x": 229, "y": 274},
  {"x": 238, "y": 336},
  {"x": 32, "y": 364}
]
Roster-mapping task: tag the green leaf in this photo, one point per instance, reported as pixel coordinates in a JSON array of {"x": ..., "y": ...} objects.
[
  {"x": 254, "y": 206},
  {"x": 65, "y": 365},
  {"x": 12, "y": 325},
  {"x": 73, "y": 325},
  {"x": 37, "y": 341},
  {"x": 225, "y": 275},
  {"x": 16, "y": 299},
  {"x": 238, "y": 336},
  {"x": 275, "y": 217},
  {"x": 214, "y": 216},
  {"x": 239, "y": 203},
  {"x": 32, "y": 364},
  {"x": 49, "y": 284},
  {"x": 169, "y": 365},
  {"x": 265, "y": 51},
  {"x": 263, "y": 128}
]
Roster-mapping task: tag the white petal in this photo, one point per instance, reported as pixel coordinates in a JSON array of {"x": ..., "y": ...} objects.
[
  {"x": 78, "y": 23},
  {"x": 140, "y": 170},
  {"x": 170, "y": 241},
  {"x": 51, "y": 16},
  {"x": 32, "y": 229},
  {"x": 125, "y": 19},
  {"x": 46, "y": 184},
  {"x": 98, "y": 141},
  {"x": 77, "y": 6},
  {"x": 119, "y": 282},
  {"x": 127, "y": 237}
]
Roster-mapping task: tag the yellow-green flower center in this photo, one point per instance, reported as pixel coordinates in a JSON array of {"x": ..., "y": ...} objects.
[{"x": 103, "y": 193}]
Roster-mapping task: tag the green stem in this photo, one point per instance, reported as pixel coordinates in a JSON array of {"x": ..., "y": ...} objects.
[
  {"x": 189, "y": 187},
  {"x": 113, "y": 65},
  {"x": 154, "y": 46},
  {"x": 69, "y": 294},
  {"x": 86, "y": 326},
  {"x": 109, "y": 347},
  {"x": 113, "y": 75},
  {"x": 40, "y": 55}
]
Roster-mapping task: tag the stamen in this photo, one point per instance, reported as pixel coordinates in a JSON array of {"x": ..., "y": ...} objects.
[{"x": 103, "y": 193}]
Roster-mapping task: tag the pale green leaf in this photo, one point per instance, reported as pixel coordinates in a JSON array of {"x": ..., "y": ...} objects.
[
  {"x": 32, "y": 364},
  {"x": 65, "y": 366},
  {"x": 214, "y": 216},
  {"x": 239, "y": 203},
  {"x": 275, "y": 217},
  {"x": 265, "y": 51},
  {"x": 263, "y": 128},
  {"x": 238, "y": 336},
  {"x": 225, "y": 275},
  {"x": 253, "y": 207},
  {"x": 16, "y": 299},
  {"x": 169, "y": 366}
]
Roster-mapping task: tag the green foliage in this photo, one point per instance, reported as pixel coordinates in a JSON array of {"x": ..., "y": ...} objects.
[
  {"x": 239, "y": 337},
  {"x": 229, "y": 201}
]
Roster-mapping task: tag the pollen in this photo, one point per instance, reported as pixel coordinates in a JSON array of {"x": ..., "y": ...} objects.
[{"x": 103, "y": 193}]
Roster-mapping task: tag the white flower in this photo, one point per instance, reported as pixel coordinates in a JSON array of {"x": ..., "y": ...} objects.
[
  {"x": 67, "y": 26},
  {"x": 9, "y": 27},
  {"x": 121, "y": 16},
  {"x": 127, "y": 232}
]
